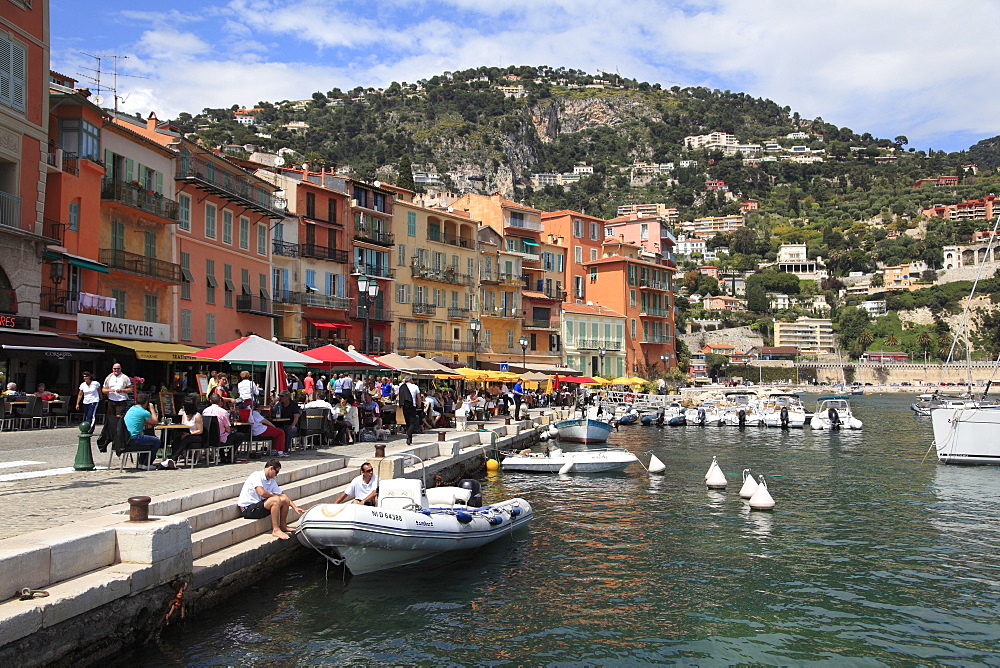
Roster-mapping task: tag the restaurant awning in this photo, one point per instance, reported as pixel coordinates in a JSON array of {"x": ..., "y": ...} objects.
[
  {"x": 156, "y": 350},
  {"x": 45, "y": 345},
  {"x": 325, "y": 324},
  {"x": 77, "y": 261}
]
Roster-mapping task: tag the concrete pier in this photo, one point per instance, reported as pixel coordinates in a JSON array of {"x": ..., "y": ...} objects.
[{"x": 97, "y": 582}]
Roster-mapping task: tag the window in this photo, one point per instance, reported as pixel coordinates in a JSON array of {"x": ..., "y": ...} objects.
[
  {"x": 261, "y": 239},
  {"x": 120, "y": 299},
  {"x": 570, "y": 335},
  {"x": 470, "y": 266},
  {"x": 74, "y": 217},
  {"x": 578, "y": 254},
  {"x": 331, "y": 210},
  {"x": 595, "y": 231},
  {"x": 244, "y": 233},
  {"x": 593, "y": 274},
  {"x": 434, "y": 231},
  {"x": 210, "y": 220},
  {"x": 633, "y": 328},
  {"x": 227, "y": 227},
  {"x": 643, "y": 231},
  {"x": 149, "y": 244},
  {"x": 210, "y": 281},
  {"x": 609, "y": 231},
  {"x": 227, "y": 285},
  {"x": 185, "y": 324},
  {"x": 577, "y": 228},
  {"x": 13, "y": 73},
  {"x": 184, "y": 214},
  {"x": 560, "y": 263},
  {"x": 578, "y": 287},
  {"x": 117, "y": 235},
  {"x": 210, "y": 329},
  {"x": 311, "y": 205},
  {"x": 411, "y": 224},
  {"x": 401, "y": 291},
  {"x": 75, "y": 134},
  {"x": 401, "y": 258},
  {"x": 186, "y": 277},
  {"x": 245, "y": 281},
  {"x": 631, "y": 297},
  {"x": 548, "y": 261},
  {"x": 151, "y": 304},
  {"x": 593, "y": 254}
]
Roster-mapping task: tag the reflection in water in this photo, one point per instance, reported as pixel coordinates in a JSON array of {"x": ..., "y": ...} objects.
[{"x": 868, "y": 558}]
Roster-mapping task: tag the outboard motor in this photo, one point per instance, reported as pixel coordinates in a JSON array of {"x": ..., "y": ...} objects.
[
  {"x": 742, "y": 415},
  {"x": 659, "y": 417},
  {"x": 784, "y": 417},
  {"x": 701, "y": 416},
  {"x": 834, "y": 417},
  {"x": 471, "y": 484}
]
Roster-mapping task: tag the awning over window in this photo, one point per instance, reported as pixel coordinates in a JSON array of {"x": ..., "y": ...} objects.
[
  {"x": 21, "y": 344},
  {"x": 325, "y": 324},
  {"x": 77, "y": 261},
  {"x": 156, "y": 350},
  {"x": 528, "y": 242}
]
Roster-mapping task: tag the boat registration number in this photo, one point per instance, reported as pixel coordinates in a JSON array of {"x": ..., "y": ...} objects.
[{"x": 387, "y": 516}]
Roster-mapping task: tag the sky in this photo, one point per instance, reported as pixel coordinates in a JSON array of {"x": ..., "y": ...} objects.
[{"x": 924, "y": 69}]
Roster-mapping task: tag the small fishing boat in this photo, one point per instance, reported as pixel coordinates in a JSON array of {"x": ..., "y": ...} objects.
[
  {"x": 587, "y": 429},
  {"x": 784, "y": 410},
  {"x": 557, "y": 461},
  {"x": 833, "y": 412},
  {"x": 631, "y": 416},
  {"x": 409, "y": 524}
]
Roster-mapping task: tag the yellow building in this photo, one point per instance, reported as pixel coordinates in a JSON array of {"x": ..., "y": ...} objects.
[
  {"x": 499, "y": 311},
  {"x": 437, "y": 262}
]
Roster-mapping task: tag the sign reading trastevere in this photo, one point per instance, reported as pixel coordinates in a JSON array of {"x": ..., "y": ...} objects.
[{"x": 119, "y": 328}]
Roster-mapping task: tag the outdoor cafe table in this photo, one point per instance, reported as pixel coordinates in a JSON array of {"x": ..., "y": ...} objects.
[{"x": 170, "y": 432}]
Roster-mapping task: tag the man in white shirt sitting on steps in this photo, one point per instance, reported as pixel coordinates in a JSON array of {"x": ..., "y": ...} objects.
[{"x": 261, "y": 497}]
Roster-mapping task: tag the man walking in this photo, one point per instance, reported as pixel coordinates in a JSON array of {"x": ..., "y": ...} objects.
[
  {"x": 114, "y": 388},
  {"x": 261, "y": 497},
  {"x": 408, "y": 397},
  {"x": 518, "y": 393}
]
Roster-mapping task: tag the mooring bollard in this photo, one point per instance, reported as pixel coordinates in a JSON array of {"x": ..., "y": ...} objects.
[
  {"x": 380, "y": 450},
  {"x": 84, "y": 456},
  {"x": 441, "y": 435},
  {"x": 506, "y": 420},
  {"x": 138, "y": 510}
]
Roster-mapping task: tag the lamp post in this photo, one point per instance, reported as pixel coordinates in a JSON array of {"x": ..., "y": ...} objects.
[
  {"x": 665, "y": 358},
  {"x": 367, "y": 293},
  {"x": 524, "y": 352},
  {"x": 474, "y": 327},
  {"x": 601, "y": 353}
]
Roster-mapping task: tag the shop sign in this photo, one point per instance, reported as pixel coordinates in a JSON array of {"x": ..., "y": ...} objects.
[
  {"x": 15, "y": 322},
  {"x": 120, "y": 328}
]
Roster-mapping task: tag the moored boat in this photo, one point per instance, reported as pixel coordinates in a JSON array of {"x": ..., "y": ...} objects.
[
  {"x": 408, "y": 525},
  {"x": 833, "y": 412},
  {"x": 967, "y": 434},
  {"x": 557, "y": 461},
  {"x": 583, "y": 430},
  {"x": 784, "y": 410}
]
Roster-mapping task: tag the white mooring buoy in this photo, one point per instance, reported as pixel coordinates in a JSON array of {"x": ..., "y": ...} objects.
[
  {"x": 715, "y": 478},
  {"x": 713, "y": 465},
  {"x": 761, "y": 499},
  {"x": 655, "y": 465},
  {"x": 553, "y": 432},
  {"x": 749, "y": 485}
]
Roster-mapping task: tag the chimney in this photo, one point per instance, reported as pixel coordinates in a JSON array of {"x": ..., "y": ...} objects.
[{"x": 152, "y": 121}]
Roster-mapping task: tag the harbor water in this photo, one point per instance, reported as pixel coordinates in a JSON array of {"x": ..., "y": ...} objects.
[{"x": 871, "y": 556}]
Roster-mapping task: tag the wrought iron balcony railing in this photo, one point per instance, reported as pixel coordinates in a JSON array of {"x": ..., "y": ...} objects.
[
  {"x": 446, "y": 275},
  {"x": 256, "y": 305},
  {"x": 284, "y": 248},
  {"x": 55, "y": 300},
  {"x": 597, "y": 344},
  {"x": 214, "y": 178},
  {"x": 455, "y": 313},
  {"x": 373, "y": 313},
  {"x": 655, "y": 312},
  {"x": 424, "y": 309},
  {"x": 140, "y": 265},
  {"x": 136, "y": 196},
  {"x": 53, "y": 230},
  {"x": 541, "y": 324},
  {"x": 373, "y": 234},
  {"x": 373, "y": 270},
  {"x": 323, "y": 252},
  {"x": 324, "y": 301}
]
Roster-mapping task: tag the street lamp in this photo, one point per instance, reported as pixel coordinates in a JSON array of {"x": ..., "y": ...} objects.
[
  {"x": 367, "y": 293},
  {"x": 664, "y": 358},
  {"x": 602, "y": 352},
  {"x": 474, "y": 327},
  {"x": 524, "y": 352}
]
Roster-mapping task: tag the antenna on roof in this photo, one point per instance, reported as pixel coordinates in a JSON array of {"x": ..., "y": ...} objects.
[{"x": 95, "y": 78}]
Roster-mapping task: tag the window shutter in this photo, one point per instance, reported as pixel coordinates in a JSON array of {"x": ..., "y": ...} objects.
[
  {"x": 129, "y": 164},
  {"x": 109, "y": 164},
  {"x": 159, "y": 182}
]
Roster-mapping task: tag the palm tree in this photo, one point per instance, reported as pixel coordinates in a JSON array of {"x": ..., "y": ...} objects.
[
  {"x": 924, "y": 341},
  {"x": 865, "y": 339},
  {"x": 891, "y": 341}
]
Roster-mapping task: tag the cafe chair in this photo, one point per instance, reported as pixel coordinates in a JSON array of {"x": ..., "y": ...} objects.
[
  {"x": 120, "y": 440},
  {"x": 59, "y": 412},
  {"x": 316, "y": 422},
  {"x": 8, "y": 419},
  {"x": 209, "y": 442},
  {"x": 32, "y": 413}
]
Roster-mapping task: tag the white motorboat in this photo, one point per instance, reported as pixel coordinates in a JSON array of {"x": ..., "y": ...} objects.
[
  {"x": 557, "y": 461},
  {"x": 587, "y": 429},
  {"x": 967, "y": 434},
  {"x": 741, "y": 409},
  {"x": 833, "y": 412},
  {"x": 785, "y": 410},
  {"x": 409, "y": 524},
  {"x": 705, "y": 413}
]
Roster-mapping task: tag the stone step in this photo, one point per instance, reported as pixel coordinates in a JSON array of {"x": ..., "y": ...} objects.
[{"x": 215, "y": 566}]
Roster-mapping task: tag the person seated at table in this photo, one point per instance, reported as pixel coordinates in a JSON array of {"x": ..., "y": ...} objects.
[
  {"x": 372, "y": 413},
  {"x": 192, "y": 438},
  {"x": 222, "y": 389},
  {"x": 286, "y": 409},
  {"x": 12, "y": 391},
  {"x": 137, "y": 419},
  {"x": 262, "y": 427},
  {"x": 44, "y": 394},
  {"x": 428, "y": 414},
  {"x": 341, "y": 425},
  {"x": 248, "y": 390},
  {"x": 228, "y": 437},
  {"x": 319, "y": 402}
]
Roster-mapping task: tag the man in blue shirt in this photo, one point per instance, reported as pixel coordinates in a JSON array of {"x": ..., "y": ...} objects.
[
  {"x": 138, "y": 418},
  {"x": 518, "y": 392}
]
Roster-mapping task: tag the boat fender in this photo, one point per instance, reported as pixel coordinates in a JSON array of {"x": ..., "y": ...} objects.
[
  {"x": 495, "y": 520},
  {"x": 515, "y": 512},
  {"x": 463, "y": 517}
]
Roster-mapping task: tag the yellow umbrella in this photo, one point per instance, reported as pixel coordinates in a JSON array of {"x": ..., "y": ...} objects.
[
  {"x": 635, "y": 380},
  {"x": 621, "y": 380}
]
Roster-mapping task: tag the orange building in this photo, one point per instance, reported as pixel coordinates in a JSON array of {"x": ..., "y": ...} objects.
[
  {"x": 368, "y": 217},
  {"x": 641, "y": 290},
  {"x": 581, "y": 235}
]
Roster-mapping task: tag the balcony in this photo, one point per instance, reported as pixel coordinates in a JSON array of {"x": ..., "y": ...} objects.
[
  {"x": 54, "y": 231},
  {"x": 8, "y": 301},
  {"x": 653, "y": 338},
  {"x": 455, "y": 313},
  {"x": 597, "y": 344},
  {"x": 446, "y": 275},
  {"x": 504, "y": 277},
  {"x": 526, "y": 255},
  {"x": 424, "y": 309},
  {"x": 436, "y": 345},
  {"x": 323, "y": 253},
  {"x": 140, "y": 265},
  {"x": 255, "y": 305},
  {"x": 55, "y": 300},
  {"x": 242, "y": 190},
  {"x": 375, "y": 271},
  {"x": 373, "y": 313},
  {"x": 521, "y": 224},
  {"x": 540, "y": 324},
  {"x": 502, "y": 312},
  {"x": 134, "y": 195},
  {"x": 491, "y": 278},
  {"x": 372, "y": 234},
  {"x": 62, "y": 161},
  {"x": 10, "y": 210},
  {"x": 453, "y": 240},
  {"x": 284, "y": 249},
  {"x": 323, "y": 301},
  {"x": 653, "y": 284},
  {"x": 654, "y": 312}
]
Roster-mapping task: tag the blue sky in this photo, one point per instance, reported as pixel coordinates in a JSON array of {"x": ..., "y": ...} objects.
[{"x": 918, "y": 68}]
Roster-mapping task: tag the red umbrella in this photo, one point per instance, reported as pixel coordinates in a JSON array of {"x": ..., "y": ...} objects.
[
  {"x": 578, "y": 379},
  {"x": 253, "y": 349},
  {"x": 334, "y": 356}
]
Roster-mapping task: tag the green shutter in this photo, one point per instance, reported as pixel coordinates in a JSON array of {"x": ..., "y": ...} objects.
[
  {"x": 128, "y": 169},
  {"x": 109, "y": 164},
  {"x": 159, "y": 182}
]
